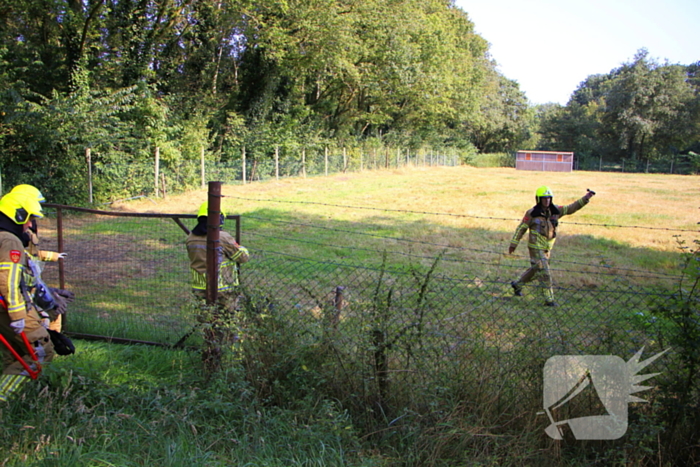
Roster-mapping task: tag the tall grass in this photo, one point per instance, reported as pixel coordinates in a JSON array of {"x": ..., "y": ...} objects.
[
  {"x": 303, "y": 389},
  {"x": 111, "y": 405},
  {"x": 627, "y": 230}
]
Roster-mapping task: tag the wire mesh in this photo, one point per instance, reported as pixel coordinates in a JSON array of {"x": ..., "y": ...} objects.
[
  {"x": 130, "y": 275},
  {"x": 410, "y": 327}
]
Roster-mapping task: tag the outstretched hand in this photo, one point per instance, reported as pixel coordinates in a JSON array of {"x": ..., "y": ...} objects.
[
  {"x": 589, "y": 194},
  {"x": 511, "y": 249}
]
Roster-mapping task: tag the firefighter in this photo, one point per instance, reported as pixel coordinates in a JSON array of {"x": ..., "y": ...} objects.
[
  {"x": 60, "y": 297},
  {"x": 18, "y": 315},
  {"x": 197, "y": 252},
  {"x": 229, "y": 255},
  {"x": 542, "y": 222}
]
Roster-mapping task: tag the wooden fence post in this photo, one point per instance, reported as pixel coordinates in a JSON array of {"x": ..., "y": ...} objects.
[
  {"x": 201, "y": 155},
  {"x": 243, "y": 163},
  {"x": 303, "y": 162},
  {"x": 338, "y": 301},
  {"x": 88, "y": 157},
  {"x": 277, "y": 162},
  {"x": 157, "y": 176}
]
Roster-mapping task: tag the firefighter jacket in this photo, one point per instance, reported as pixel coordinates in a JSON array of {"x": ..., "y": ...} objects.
[
  {"x": 35, "y": 254},
  {"x": 543, "y": 223},
  {"x": 229, "y": 255},
  {"x": 12, "y": 258}
]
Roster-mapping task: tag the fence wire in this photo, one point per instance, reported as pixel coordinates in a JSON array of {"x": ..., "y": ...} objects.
[
  {"x": 445, "y": 317},
  {"x": 131, "y": 178},
  {"x": 391, "y": 327}
]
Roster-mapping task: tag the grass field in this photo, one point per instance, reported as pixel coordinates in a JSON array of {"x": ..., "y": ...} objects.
[
  {"x": 401, "y": 380},
  {"x": 631, "y": 224}
]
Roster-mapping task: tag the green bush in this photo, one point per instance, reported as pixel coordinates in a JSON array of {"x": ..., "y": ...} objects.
[{"x": 499, "y": 159}]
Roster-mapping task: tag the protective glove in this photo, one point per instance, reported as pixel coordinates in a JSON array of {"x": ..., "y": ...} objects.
[
  {"x": 62, "y": 298},
  {"x": 67, "y": 294},
  {"x": 61, "y": 305},
  {"x": 17, "y": 326},
  {"x": 62, "y": 255}
]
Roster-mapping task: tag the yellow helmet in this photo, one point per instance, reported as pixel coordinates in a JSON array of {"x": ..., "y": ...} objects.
[
  {"x": 30, "y": 191},
  {"x": 543, "y": 192},
  {"x": 204, "y": 210},
  {"x": 20, "y": 207}
]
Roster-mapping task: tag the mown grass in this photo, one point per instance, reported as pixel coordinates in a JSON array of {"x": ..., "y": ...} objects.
[{"x": 471, "y": 212}]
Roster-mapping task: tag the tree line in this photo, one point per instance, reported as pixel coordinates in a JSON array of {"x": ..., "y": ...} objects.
[
  {"x": 638, "y": 113},
  {"x": 122, "y": 77}
]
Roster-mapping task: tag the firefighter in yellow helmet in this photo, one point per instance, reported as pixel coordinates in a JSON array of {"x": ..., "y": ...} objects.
[
  {"x": 229, "y": 255},
  {"x": 30, "y": 191},
  {"x": 17, "y": 313},
  {"x": 61, "y": 297},
  {"x": 542, "y": 221}
]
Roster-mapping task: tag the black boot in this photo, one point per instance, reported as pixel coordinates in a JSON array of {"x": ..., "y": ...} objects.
[{"x": 517, "y": 289}]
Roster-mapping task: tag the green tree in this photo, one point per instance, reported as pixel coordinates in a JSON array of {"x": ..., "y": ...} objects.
[
  {"x": 646, "y": 108},
  {"x": 505, "y": 117},
  {"x": 640, "y": 112},
  {"x": 45, "y": 137}
]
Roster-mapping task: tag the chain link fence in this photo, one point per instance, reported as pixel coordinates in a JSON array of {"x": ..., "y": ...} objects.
[
  {"x": 131, "y": 277},
  {"x": 419, "y": 327},
  {"x": 382, "y": 336}
]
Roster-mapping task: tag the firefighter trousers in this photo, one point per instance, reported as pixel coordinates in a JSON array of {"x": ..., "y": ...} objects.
[
  {"x": 38, "y": 337},
  {"x": 539, "y": 268}
]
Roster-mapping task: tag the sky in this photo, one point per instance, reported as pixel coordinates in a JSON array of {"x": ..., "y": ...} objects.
[{"x": 550, "y": 46}]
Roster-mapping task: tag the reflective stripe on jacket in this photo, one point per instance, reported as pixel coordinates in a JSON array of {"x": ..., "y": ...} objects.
[
  {"x": 543, "y": 231},
  {"x": 229, "y": 254},
  {"x": 11, "y": 260}
]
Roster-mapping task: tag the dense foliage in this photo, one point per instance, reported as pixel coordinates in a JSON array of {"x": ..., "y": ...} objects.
[
  {"x": 123, "y": 77},
  {"x": 638, "y": 113}
]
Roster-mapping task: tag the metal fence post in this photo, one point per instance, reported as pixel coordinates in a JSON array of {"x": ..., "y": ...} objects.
[
  {"x": 325, "y": 159},
  {"x": 277, "y": 162},
  {"x": 243, "y": 166},
  {"x": 337, "y": 307}
]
